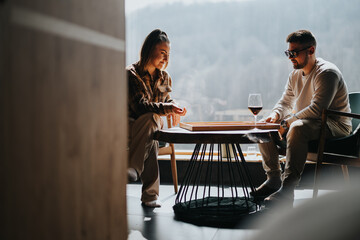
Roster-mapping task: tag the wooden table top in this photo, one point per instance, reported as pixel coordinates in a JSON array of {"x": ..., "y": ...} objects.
[
  {"x": 230, "y": 125},
  {"x": 181, "y": 135}
]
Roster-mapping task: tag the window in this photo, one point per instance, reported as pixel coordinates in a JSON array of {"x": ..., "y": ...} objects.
[{"x": 223, "y": 50}]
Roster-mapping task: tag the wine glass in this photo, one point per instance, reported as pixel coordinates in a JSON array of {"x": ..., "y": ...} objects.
[{"x": 255, "y": 104}]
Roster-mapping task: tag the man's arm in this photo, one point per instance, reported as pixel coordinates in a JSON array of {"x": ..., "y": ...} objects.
[
  {"x": 326, "y": 85},
  {"x": 286, "y": 103}
]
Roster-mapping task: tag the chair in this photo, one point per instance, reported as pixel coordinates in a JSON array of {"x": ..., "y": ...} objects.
[
  {"x": 168, "y": 149},
  {"x": 341, "y": 151}
]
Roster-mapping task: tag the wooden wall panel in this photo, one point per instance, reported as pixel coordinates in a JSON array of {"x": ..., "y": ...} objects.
[
  {"x": 102, "y": 16},
  {"x": 63, "y": 134}
]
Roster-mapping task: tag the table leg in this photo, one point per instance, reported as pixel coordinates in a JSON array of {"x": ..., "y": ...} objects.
[
  {"x": 181, "y": 196},
  {"x": 209, "y": 189},
  {"x": 247, "y": 171}
]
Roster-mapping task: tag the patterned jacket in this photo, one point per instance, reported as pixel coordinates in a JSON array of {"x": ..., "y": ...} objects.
[{"x": 147, "y": 94}]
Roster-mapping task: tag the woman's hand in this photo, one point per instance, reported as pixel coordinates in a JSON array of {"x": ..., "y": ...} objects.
[
  {"x": 176, "y": 113},
  {"x": 178, "y": 110}
]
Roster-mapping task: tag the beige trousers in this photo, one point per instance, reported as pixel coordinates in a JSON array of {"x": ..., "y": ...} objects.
[
  {"x": 300, "y": 133},
  {"x": 143, "y": 152}
]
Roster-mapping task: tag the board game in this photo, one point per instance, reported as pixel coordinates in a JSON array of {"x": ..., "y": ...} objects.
[{"x": 222, "y": 126}]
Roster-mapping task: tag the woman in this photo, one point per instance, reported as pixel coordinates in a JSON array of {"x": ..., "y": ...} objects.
[{"x": 149, "y": 86}]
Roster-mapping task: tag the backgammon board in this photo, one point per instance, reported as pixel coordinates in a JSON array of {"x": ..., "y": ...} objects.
[{"x": 222, "y": 126}]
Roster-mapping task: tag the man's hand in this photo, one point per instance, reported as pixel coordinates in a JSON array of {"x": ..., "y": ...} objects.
[
  {"x": 272, "y": 118},
  {"x": 283, "y": 129}
]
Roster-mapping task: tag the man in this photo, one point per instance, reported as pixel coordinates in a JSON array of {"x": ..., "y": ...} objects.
[{"x": 313, "y": 85}]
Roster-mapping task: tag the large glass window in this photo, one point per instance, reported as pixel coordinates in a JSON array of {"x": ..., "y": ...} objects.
[{"x": 223, "y": 50}]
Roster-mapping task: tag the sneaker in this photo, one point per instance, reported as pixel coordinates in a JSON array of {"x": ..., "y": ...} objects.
[
  {"x": 152, "y": 204},
  {"x": 132, "y": 175}
]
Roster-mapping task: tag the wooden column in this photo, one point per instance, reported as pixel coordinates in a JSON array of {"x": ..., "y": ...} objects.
[{"x": 63, "y": 120}]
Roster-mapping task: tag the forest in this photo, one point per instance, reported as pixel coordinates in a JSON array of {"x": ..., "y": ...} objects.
[{"x": 221, "y": 52}]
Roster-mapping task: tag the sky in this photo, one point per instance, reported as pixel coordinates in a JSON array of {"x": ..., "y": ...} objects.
[{"x": 134, "y": 5}]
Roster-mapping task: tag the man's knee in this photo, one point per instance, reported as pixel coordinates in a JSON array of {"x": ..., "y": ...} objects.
[
  {"x": 296, "y": 131},
  {"x": 303, "y": 130}
]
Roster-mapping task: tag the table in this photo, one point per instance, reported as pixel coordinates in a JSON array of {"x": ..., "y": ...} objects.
[{"x": 205, "y": 197}]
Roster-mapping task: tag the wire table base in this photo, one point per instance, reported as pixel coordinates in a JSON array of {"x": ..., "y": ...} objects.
[{"x": 216, "y": 187}]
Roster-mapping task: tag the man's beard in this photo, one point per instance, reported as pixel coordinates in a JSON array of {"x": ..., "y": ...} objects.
[{"x": 301, "y": 66}]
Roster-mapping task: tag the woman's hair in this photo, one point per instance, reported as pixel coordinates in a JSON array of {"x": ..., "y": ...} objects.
[
  {"x": 147, "y": 49},
  {"x": 304, "y": 37}
]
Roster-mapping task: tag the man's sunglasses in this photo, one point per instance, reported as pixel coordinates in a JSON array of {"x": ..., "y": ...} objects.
[{"x": 293, "y": 53}]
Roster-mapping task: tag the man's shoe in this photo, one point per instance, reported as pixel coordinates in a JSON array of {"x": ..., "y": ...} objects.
[
  {"x": 266, "y": 189},
  {"x": 132, "y": 175},
  {"x": 152, "y": 204},
  {"x": 283, "y": 197},
  {"x": 262, "y": 192}
]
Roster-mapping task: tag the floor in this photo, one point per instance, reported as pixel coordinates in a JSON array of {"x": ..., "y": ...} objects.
[{"x": 159, "y": 223}]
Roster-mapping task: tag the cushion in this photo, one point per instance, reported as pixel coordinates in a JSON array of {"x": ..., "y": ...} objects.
[
  {"x": 162, "y": 144},
  {"x": 349, "y": 145}
]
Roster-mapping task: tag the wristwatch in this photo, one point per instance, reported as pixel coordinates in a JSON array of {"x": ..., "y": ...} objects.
[{"x": 284, "y": 125}]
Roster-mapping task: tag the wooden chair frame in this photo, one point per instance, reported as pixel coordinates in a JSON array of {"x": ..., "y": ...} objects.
[
  {"x": 332, "y": 158},
  {"x": 170, "y": 150}
]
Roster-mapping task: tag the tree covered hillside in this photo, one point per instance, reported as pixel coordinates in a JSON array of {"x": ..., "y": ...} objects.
[{"x": 222, "y": 51}]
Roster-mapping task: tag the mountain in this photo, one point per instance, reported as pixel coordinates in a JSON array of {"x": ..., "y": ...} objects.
[{"x": 220, "y": 52}]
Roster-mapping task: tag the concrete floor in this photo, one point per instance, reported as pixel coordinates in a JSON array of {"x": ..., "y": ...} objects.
[{"x": 160, "y": 223}]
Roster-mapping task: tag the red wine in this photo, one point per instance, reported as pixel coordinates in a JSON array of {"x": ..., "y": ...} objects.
[{"x": 255, "y": 110}]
